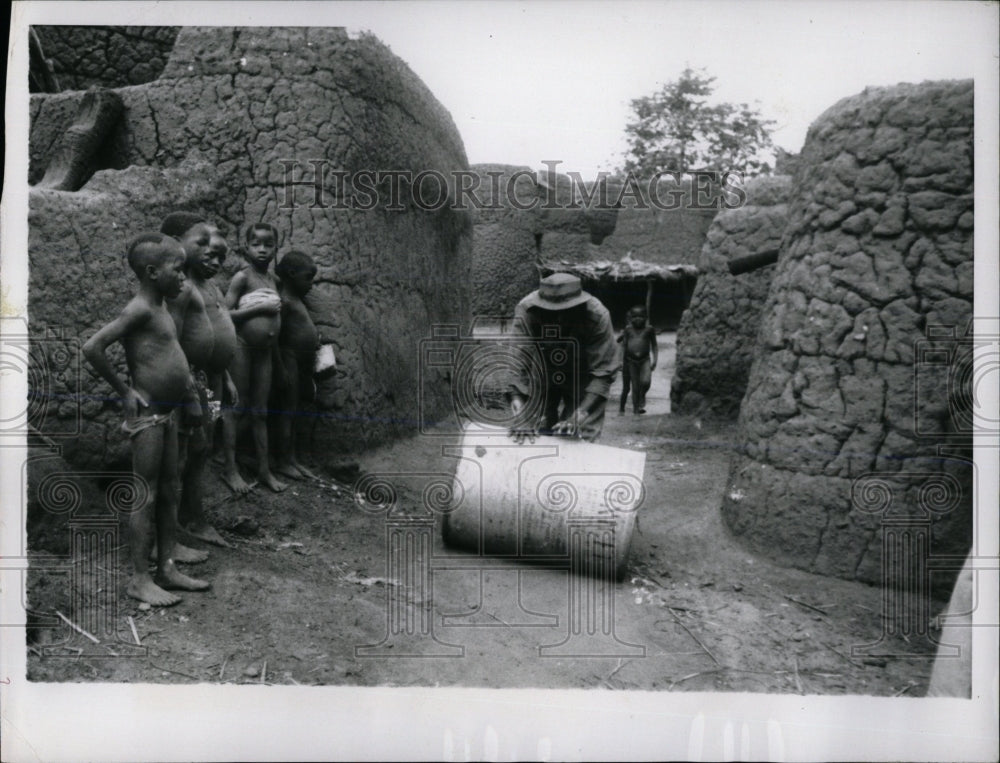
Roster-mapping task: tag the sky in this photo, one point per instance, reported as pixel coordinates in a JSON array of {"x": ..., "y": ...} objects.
[{"x": 552, "y": 80}]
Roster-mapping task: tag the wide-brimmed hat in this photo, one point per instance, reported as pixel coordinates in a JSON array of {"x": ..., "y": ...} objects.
[{"x": 559, "y": 291}]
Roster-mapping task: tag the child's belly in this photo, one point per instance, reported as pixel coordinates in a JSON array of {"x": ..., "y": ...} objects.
[
  {"x": 225, "y": 343},
  {"x": 260, "y": 331}
]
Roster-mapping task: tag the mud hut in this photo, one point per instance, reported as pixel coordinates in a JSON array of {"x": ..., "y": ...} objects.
[
  {"x": 717, "y": 333},
  {"x": 246, "y": 125},
  {"x": 507, "y": 225},
  {"x": 632, "y": 254},
  {"x": 855, "y": 430}
]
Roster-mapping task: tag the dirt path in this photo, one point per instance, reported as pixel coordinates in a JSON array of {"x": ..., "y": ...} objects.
[{"x": 306, "y": 583}]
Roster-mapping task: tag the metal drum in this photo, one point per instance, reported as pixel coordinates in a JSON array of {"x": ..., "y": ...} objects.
[{"x": 556, "y": 498}]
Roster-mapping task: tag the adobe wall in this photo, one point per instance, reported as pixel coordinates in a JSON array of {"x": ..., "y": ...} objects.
[
  {"x": 844, "y": 413},
  {"x": 229, "y": 129}
]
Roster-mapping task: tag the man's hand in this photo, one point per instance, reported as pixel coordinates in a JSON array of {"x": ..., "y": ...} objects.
[
  {"x": 569, "y": 427},
  {"x": 520, "y": 432},
  {"x": 133, "y": 403}
]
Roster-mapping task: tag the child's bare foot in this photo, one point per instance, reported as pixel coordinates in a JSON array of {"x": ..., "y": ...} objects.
[
  {"x": 208, "y": 534},
  {"x": 235, "y": 482},
  {"x": 143, "y": 588},
  {"x": 290, "y": 471},
  {"x": 182, "y": 553},
  {"x": 269, "y": 479},
  {"x": 170, "y": 577}
]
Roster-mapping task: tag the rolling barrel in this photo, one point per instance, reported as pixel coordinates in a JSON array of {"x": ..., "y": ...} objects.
[{"x": 536, "y": 501}]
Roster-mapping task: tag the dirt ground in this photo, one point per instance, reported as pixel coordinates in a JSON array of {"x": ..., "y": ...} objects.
[{"x": 306, "y": 583}]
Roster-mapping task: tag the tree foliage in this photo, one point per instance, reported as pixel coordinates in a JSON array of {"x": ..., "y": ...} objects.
[{"x": 676, "y": 129}]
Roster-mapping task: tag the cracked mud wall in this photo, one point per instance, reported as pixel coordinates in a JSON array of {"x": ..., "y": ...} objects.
[
  {"x": 106, "y": 56},
  {"x": 717, "y": 333},
  {"x": 504, "y": 245},
  {"x": 229, "y": 129},
  {"x": 878, "y": 248}
]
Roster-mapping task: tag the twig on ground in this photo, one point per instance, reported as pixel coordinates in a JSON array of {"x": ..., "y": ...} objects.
[
  {"x": 175, "y": 672},
  {"x": 693, "y": 675},
  {"x": 499, "y": 620},
  {"x": 905, "y": 689},
  {"x": 841, "y": 655},
  {"x": 807, "y": 606},
  {"x": 798, "y": 682},
  {"x": 688, "y": 631},
  {"x": 135, "y": 633},
  {"x": 222, "y": 670},
  {"x": 76, "y": 627},
  {"x": 620, "y": 666},
  {"x": 263, "y": 672}
]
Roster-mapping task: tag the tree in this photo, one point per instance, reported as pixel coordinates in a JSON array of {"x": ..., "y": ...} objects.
[{"x": 676, "y": 129}]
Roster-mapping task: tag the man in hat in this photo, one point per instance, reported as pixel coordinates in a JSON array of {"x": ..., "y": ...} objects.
[{"x": 576, "y": 345}]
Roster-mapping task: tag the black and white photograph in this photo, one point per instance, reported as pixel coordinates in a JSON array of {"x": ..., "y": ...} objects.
[{"x": 500, "y": 381}]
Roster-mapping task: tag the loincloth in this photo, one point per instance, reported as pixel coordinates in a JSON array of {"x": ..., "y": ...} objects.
[{"x": 150, "y": 420}]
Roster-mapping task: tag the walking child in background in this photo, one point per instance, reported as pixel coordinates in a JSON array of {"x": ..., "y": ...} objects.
[
  {"x": 208, "y": 338},
  {"x": 297, "y": 345},
  {"x": 255, "y": 308},
  {"x": 161, "y": 391},
  {"x": 638, "y": 345}
]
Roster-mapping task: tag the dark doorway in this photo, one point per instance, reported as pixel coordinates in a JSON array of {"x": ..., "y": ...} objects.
[{"x": 669, "y": 299}]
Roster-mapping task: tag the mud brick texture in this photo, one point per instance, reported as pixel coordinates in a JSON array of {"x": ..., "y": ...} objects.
[
  {"x": 717, "y": 333},
  {"x": 230, "y": 129},
  {"x": 106, "y": 56},
  {"x": 877, "y": 251}
]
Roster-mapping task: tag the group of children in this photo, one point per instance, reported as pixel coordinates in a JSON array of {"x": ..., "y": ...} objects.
[{"x": 194, "y": 355}]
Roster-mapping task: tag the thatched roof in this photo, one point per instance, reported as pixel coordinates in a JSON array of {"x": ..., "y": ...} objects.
[{"x": 625, "y": 269}]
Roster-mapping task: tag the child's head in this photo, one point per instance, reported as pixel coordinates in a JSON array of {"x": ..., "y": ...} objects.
[
  {"x": 261, "y": 244},
  {"x": 158, "y": 261},
  {"x": 637, "y": 315},
  {"x": 297, "y": 270},
  {"x": 205, "y": 248}
]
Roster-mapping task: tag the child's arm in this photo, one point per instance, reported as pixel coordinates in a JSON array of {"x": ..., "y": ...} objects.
[
  {"x": 653, "y": 350},
  {"x": 94, "y": 349},
  {"x": 237, "y": 288}
]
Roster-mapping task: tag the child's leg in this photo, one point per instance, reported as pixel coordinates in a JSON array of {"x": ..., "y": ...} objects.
[
  {"x": 306, "y": 394},
  {"x": 642, "y": 385},
  {"x": 626, "y": 381},
  {"x": 289, "y": 403},
  {"x": 147, "y": 456},
  {"x": 232, "y": 418},
  {"x": 192, "y": 473},
  {"x": 260, "y": 376},
  {"x": 167, "y": 574}
]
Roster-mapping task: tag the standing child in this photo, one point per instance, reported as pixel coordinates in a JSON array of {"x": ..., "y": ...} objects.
[
  {"x": 161, "y": 390},
  {"x": 255, "y": 308},
  {"x": 297, "y": 345},
  {"x": 208, "y": 339},
  {"x": 638, "y": 344}
]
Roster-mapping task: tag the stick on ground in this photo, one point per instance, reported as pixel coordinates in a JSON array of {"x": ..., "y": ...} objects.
[{"x": 77, "y": 628}]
